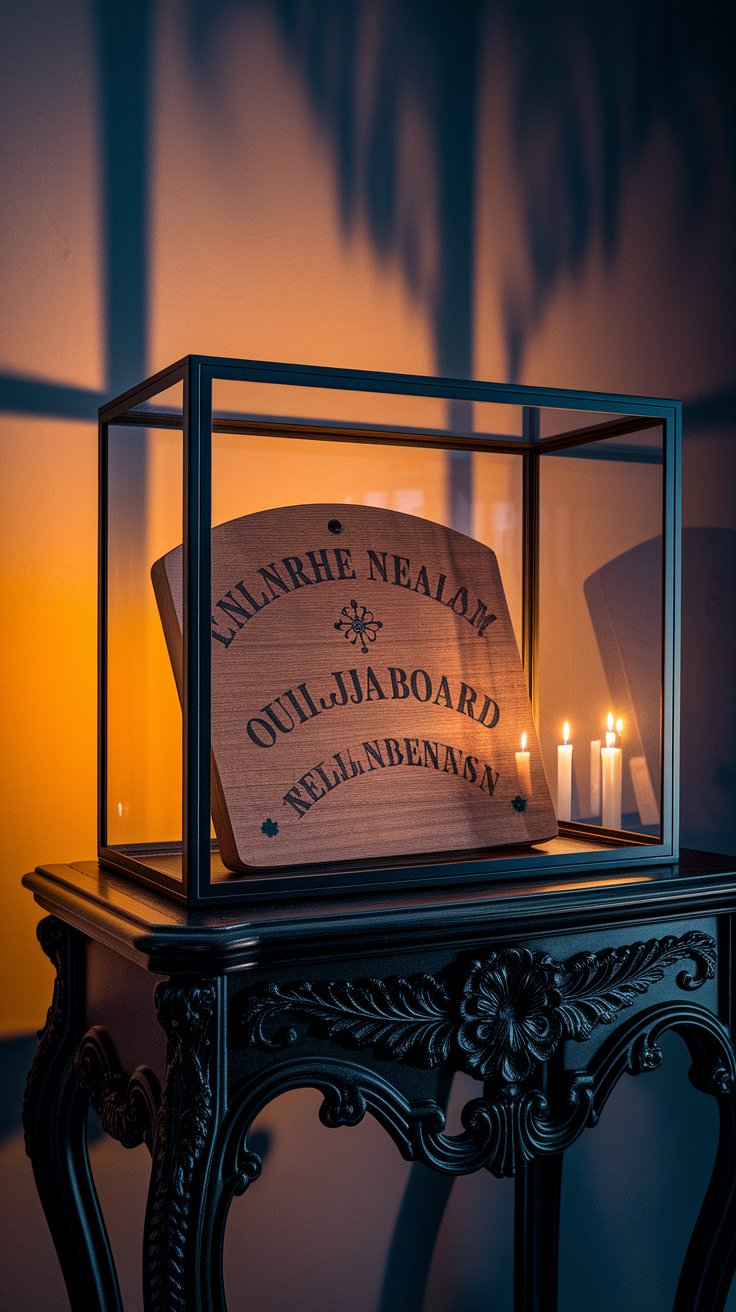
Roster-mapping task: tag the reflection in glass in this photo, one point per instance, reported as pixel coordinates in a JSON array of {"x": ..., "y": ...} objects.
[{"x": 600, "y": 621}]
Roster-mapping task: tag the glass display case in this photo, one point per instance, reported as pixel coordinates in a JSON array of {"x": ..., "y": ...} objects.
[{"x": 576, "y": 495}]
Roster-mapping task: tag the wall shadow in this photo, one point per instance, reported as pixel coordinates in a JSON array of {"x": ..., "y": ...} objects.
[
  {"x": 587, "y": 88},
  {"x": 589, "y": 85},
  {"x": 16, "y": 1055}
]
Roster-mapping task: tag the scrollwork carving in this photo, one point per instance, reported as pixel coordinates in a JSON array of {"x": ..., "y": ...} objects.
[
  {"x": 720, "y": 1080},
  {"x": 126, "y": 1107},
  {"x": 401, "y": 1018},
  {"x": 54, "y": 1117},
  {"x": 645, "y": 1056},
  {"x": 343, "y": 1104},
  {"x": 498, "y": 1018},
  {"x": 181, "y": 1130},
  {"x": 511, "y": 1124}
]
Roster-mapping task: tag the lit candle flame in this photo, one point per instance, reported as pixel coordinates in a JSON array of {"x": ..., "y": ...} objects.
[
  {"x": 619, "y": 725},
  {"x": 523, "y": 742},
  {"x": 565, "y": 732},
  {"x": 609, "y": 723}
]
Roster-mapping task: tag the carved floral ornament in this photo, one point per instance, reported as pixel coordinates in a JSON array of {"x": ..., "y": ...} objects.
[{"x": 497, "y": 1018}]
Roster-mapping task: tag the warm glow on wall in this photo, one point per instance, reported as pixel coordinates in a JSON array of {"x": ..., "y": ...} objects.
[
  {"x": 48, "y": 532},
  {"x": 256, "y": 262}
]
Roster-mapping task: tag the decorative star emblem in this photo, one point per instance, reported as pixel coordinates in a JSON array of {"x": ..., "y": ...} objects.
[
  {"x": 358, "y": 624},
  {"x": 269, "y": 828}
]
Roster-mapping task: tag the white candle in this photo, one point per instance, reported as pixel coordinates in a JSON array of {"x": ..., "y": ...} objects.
[
  {"x": 611, "y": 781},
  {"x": 523, "y": 769},
  {"x": 595, "y": 776},
  {"x": 564, "y": 776}
]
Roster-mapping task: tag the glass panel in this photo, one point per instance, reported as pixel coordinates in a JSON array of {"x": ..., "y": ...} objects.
[
  {"x": 478, "y": 493},
  {"x": 144, "y": 800},
  {"x": 253, "y": 472},
  {"x": 556, "y": 423},
  {"x": 453, "y": 417},
  {"x": 497, "y": 520},
  {"x": 287, "y": 403},
  {"x": 600, "y": 623},
  {"x": 497, "y": 421},
  {"x": 457, "y": 417},
  {"x": 599, "y": 639},
  {"x": 167, "y": 402}
]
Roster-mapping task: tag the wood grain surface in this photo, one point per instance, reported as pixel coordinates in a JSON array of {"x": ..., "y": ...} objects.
[{"x": 368, "y": 698}]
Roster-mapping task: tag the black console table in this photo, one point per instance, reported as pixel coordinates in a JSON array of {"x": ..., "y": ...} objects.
[{"x": 178, "y": 1027}]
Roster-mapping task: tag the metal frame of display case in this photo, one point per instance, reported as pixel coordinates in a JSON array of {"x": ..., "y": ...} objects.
[{"x": 197, "y": 374}]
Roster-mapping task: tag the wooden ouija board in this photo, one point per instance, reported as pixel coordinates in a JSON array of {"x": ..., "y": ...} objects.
[{"x": 368, "y": 699}]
